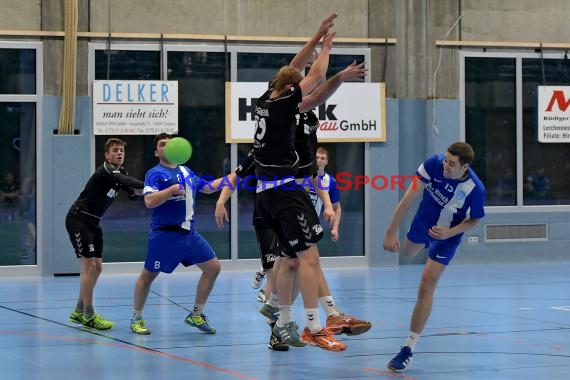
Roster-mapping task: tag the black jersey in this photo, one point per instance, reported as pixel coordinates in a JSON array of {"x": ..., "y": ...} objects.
[
  {"x": 102, "y": 188},
  {"x": 306, "y": 144},
  {"x": 274, "y": 140}
]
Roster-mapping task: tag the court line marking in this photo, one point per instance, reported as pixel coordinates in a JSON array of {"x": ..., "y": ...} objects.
[
  {"x": 122, "y": 344},
  {"x": 565, "y": 308}
]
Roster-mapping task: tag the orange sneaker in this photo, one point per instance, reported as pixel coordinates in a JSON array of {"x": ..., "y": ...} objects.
[
  {"x": 324, "y": 339},
  {"x": 347, "y": 324}
]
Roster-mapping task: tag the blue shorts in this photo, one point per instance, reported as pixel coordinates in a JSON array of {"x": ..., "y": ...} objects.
[
  {"x": 441, "y": 251},
  {"x": 167, "y": 249}
]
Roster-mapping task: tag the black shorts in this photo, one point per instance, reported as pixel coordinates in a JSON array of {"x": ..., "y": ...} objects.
[
  {"x": 268, "y": 244},
  {"x": 86, "y": 237},
  {"x": 292, "y": 216}
]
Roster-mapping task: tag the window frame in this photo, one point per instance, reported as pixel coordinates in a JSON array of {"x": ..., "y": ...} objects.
[
  {"x": 31, "y": 269},
  {"x": 518, "y": 55}
]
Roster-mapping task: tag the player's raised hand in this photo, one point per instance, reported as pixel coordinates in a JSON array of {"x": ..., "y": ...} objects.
[
  {"x": 328, "y": 40},
  {"x": 326, "y": 24},
  {"x": 354, "y": 72}
]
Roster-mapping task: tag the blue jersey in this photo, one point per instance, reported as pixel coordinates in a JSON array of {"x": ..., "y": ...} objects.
[
  {"x": 326, "y": 182},
  {"x": 179, "y": 209},
  {"x": 448, "y": 202}
]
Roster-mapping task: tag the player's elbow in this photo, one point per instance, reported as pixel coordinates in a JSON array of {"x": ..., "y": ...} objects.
[{"x": 150, "y": 201}]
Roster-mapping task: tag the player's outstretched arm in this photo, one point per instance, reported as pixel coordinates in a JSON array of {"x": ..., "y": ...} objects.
[
  {"x": 317, "y": 72},
  {"x": 306, "y": 53},
  {"x": 351, "y": 73}
]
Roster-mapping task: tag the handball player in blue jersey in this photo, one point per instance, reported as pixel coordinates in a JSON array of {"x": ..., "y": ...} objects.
[
  {"x": 452, "y": 203},
  {"x": 327, "y": 182},
  {"x": 170, "y": 191}
]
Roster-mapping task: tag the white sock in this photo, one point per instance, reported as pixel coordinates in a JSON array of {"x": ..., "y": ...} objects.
[
  {"x": 412, "y": 340},
  {"x": 198, "y": 309},
  {"x": 285, "y": 315},
  {"x": 137, "y": 314},
  {"x": 328, "y": 304},
  {"x": 313, "y": 321},
  {"x": 273, "y": 300}
]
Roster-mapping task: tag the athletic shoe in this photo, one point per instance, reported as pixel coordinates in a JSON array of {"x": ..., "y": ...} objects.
[
  {"x": 258, "y": 278},
  {"x": 347, "y": 324},
  {"x": 261, "y": 296},
  {"x": 138, "y": 326},
  {"x": 76, "y": 317},
  {"x": 269, "y": 312},
  {"x": 402, "y": 360},
  {"x": 289, "y": 334},
  {"x": 324, "y": 339},
  {"x": 97, "y": 322},
  {"x": 200, "y": 322},
  {"x": 275, "y": 343}
]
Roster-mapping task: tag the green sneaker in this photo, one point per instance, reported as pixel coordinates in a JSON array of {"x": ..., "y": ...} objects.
[
  {"x": 97, "y": 322},
  {"x": 200, "y": 322},
  {"x": 138, "y": 326},
  {"x": 76, "y": 317}
]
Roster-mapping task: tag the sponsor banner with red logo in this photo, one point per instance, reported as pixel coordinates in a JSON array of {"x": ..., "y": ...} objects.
[
  {"x": 553, "y": 114},
  {"x": 135, "y": 107},
  {"x": 356, "y": 112}
]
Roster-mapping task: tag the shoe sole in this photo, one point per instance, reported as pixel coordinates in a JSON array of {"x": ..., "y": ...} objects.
[
  {"x": 140, "y": 333},
  {"x": 300, "y": 343},
  {"x": 98, "y": 328},
  {"x": 394, "y": 369},
  {"x": 204, "y": 331},
  {"x": 327, "y": 348},
  {"x": 351, "y": 330},
  {"x": 280, "y": 347},
  {"x": 75, "y": 321}
]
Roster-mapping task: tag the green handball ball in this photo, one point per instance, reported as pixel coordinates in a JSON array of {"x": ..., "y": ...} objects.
[{"x": 178, "y": 150}]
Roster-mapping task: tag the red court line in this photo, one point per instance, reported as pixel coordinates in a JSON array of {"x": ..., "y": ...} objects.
[
  {"x": 388, "y": 373},
  {"x": 134, "y": 348}
]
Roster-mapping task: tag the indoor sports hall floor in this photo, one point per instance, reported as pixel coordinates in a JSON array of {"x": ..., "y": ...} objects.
[{"x": 488, "y": 322}]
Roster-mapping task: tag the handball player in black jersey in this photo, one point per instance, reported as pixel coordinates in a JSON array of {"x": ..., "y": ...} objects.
[{"x": 82, "y": 224}]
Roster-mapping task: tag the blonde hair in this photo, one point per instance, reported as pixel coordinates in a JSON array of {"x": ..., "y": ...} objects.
[
  {"x": 286, "y": 75},
  {"x": 323, "y": 150}
]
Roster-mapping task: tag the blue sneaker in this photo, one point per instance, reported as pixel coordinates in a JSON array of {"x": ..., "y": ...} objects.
[
  {"x": 402, "y": 360},
  {"x": 200, "y": 322}
]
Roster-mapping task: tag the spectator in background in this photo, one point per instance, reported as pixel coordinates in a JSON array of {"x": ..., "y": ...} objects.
[{"x": 10, "y": 195}]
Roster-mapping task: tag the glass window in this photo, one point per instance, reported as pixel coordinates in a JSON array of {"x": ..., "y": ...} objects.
[
  {"x": 490, "y": 125},
  {"x": 126, "y": 222},
  {"x": 546, "y": 168},
  {"x": 18, "y": 184},
  {"x": 18, "y": 73},
  {"x": 127, "y": 64},
  {"x": 253, "y": 67},
  {"x": 345, "y": 157},
  {"x": 201, "y": 80},
  {"x": 201, "y": 87}
]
